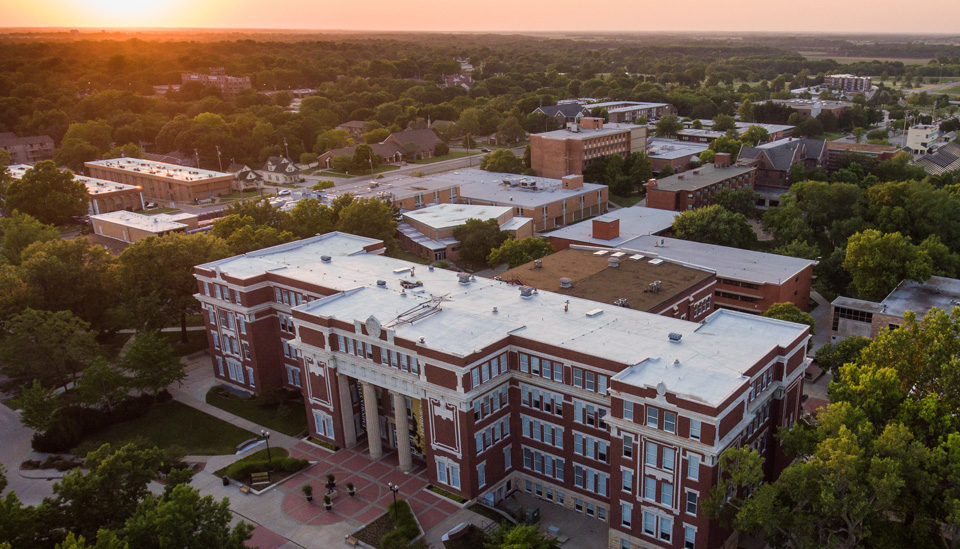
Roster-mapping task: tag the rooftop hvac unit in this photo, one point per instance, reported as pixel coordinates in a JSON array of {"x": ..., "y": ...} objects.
[
  {"x": 526, "y": 291},
  {"x": 325, "y": 258},
  {"x": 537, "y": 263},
  {"x": 463, "y": 278},
  {"x": 622, "y": 302},
  {"x": 381, "y": 283},
  {"x": 613, "y": 262},
  {"x": 674, "y": 336},
  {"x": 566, "y": 282},
  {"x": 594, "y": 312}
]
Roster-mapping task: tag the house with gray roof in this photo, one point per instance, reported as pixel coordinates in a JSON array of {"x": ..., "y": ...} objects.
[
  {"x": 565, "y": 113},
  {"x": 776, "y": 158},
  {"x": 944, "y": 159}
]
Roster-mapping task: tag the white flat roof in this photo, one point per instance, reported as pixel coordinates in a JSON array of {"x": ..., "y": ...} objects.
[
  {"x": 609, "y": 128},
  {"x": 446, "y": 216},
  {"x": 160, "y": 169},
  {"x": 159, "y": 223},
  {"x": 478, "y": 184},
  {"x": 668, "y": 149},
  {"x": 707, "y": 365},
  {"x": 734, "y": 263},
  {"x": 94, "y": 186},
  {"x": 634, "y": 221}
]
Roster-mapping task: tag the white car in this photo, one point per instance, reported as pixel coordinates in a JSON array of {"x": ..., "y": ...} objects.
[{"x": 284, "y": 192}]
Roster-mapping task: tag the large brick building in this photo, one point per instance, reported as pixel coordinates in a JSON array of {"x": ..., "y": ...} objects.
[
  {"x": 229, "y": 86},
  {"x": 166, "y": 182},
  {"x": 848, "y": 82},
  {"x": 775, "y": 159},
  {"x": 568, "y": 151},
  {"x": 611, "y": 412},
  {"x": 695, "y": 188}
]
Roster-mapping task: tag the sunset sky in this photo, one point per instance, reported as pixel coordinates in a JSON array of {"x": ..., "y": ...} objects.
[{"x": 935, "y": 16}]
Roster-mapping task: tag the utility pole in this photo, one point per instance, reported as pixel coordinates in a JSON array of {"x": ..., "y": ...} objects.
[
  {"x": 285, "y": 149},
  {"x": 219, "y": 159},
  {"x": 196, "y": 155}
]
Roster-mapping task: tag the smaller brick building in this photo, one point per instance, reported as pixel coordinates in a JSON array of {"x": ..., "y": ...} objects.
[
  {"x": 569, "y": 151},
  {"x": 105, "y": 196},
  {"x": 428, "y": 232},
  {"x": 695, "y": 188},
  {"x": 613, "y": 228},
  {"x": 130, "y": 227},
  {"x": 167, "y": 182}
]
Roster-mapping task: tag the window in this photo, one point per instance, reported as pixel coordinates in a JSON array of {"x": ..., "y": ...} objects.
[
  {"x": 689, "y": 537},
  {"x": 628, "y": 446},
  {"x": 670, "y": 422},
  {"x": 692, "y": 499},
  {"x": 626, "y": 513},
  {"x": 668, "y": 458},
  {"x": 624, "y": 544},
  {"x": 482, "y": 475},
  {"x": 216, "y": 340},
  {"x": 628, "y": 411},
  {"x": 652, "y": 419},
  {"x": 666, "y": 493},
  {"x": 448, "y": 473},
  {"x": 577, "y": 377},
  {"x": 651, "y": 454},
  {"x": 650, "y": 488},
  {"x": 693, "y": 467},
  {"x": 220, "y": 365},
  {"x": 293, "y": 376},
  {"x": 626, "y": 483},
  {"x": 507, "y": 459},
  {"x": 666, "y": 528},
  {"x": 695, "y": 429},
  {"x": 649, "y": 523}
]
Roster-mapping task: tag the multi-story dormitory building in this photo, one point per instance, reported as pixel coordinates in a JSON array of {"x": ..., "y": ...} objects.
[{"x": 611, "y": 412}]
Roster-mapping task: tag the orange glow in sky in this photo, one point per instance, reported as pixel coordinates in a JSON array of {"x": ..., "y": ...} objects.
[{"x": 849, "y": 16}]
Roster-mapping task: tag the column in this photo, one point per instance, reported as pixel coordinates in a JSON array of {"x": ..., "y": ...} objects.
[
  {"x": 346, "y": 411},
  {"x": 403, "y": 431},
  {"x": 373, "y": 420}
]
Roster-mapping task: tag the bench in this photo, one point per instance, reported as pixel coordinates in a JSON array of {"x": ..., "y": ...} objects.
[
  {"x": 352, "y": 541},
  {"x": 259, "y": 478},
  {"x": 244, "y": 489},
  {"x": 243, "y": 445}
]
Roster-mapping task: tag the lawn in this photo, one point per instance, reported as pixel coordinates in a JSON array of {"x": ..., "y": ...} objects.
[
  {"x": 196, "y": 341},
  {"x": 240, "y": 195},
  {"x": 331, "y": 173},
  {"x": 625, "y": 201},
  {"x": 172, "y": 424},
  {"x": 952, "y": 90},
  {"x": 259, "y": 455},
  {"x": 844, "y": 60},
  {"x": 833, "y": 136},
  {"x": 289, "y": 418},
  {"x": 110, "y": 344},
  {"x": 449, "y": 156}
]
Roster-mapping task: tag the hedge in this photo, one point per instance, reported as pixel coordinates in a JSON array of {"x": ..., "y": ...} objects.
[
  {"x": 405, "y": 530},
  {"x": 72, "y": 423},
  {"x": 242, "y": 470}
]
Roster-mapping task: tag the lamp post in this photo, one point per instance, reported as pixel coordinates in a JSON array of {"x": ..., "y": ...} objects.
[
  {"x": 394, "y": 488},
  {"x": 266, "y": 437}
]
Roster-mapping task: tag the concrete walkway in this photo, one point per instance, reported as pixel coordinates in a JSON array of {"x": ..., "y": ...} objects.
[
  {"x": 16, "y": 449},
  {"x": 821, "y": 318}
]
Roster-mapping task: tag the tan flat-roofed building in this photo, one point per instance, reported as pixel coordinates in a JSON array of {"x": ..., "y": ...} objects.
[
  {"x": 166, "y": 182},
  {"x": 133, "y": 227},
  {"x": 428, "y": 232},
  {"x": 568, "y": 152},
  {"x": 105, "y": 196}
]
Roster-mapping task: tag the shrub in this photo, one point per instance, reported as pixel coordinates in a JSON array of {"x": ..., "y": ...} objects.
[
  {"x": 394, "y": 540},
  {"x": 292, "y": 465}
]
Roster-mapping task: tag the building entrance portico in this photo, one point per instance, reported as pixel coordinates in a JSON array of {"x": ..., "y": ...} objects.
[{"x": 397, "y": 424}]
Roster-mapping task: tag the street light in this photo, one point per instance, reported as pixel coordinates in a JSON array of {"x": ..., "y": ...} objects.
[
  {"x": 394, "y": 488},
  {"x": 266, "y": 436}
]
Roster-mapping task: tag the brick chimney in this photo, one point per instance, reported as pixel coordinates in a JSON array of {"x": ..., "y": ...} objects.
[
  {"x": 606, "y": 228},
  {"x": 721, "y": 160},
  {"x": 572, "y": 181},
  {"x": 591, "y": 123}
]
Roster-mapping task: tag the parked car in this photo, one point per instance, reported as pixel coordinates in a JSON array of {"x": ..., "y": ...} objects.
[
  {"x": 485, "y": 150},
  {"x": 284, "y": 192},
  {"x": 151, "y": 205}
]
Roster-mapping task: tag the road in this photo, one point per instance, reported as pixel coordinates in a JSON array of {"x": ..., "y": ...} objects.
[
  {"x": 15, "y": 449},
  {"x": 931, "y": 89}
]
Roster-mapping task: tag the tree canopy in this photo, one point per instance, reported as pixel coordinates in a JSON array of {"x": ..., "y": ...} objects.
[
  {"x": 47, "y": 194},
  {"x": 715, "y": 225}
]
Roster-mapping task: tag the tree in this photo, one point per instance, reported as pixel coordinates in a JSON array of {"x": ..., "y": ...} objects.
[
  {"x": 877, "y": 262},
  {"x": 19, "y": 231},
  {"x": 130, "y": 150},
  {"x": 833, "y": 356},
  {"x": 158, "y": 277},
  {"x": 37, "y": 404},
  {"x": 242, "y": 234},
  {"x": 332, "y": 139},
  {"x": 310, "y": 217},
  {"x": 858, "y": 134},
  {"x": 755, "y": 135},
  {"x": 726, "y": 144},
  {"x": 790, "y": 313},
  {"x": 102, "y": 385},
  {"x": 715, "y": 225},
  {"x": 746, "y": 111},
  {"x": 18, "y": 524},
  {"x": 519, "y": 536},
  {"x": 798, "y": 248},
  {"x": 515, "y": 252},
  {"x": 375, "y": 136},
  {"x": 723, "y": 122},
  {"x": 184, "y": 519},
  {"x": 668, "y": 126},
  {"x": 73, "y": 153},
  {"x": 151, "y": 363},
  {"x": 369, "y": 217},
  {"x": 47, "y": 194},
  {"x": 743, "y": 201},
  {"x": 503, "y": 161},
  {"x": 510, "y": 130},
  {"x": 60, "y": 345},
  {"x": 479, "y": 238}
]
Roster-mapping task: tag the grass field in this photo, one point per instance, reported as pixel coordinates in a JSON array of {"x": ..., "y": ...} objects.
[
  {"x": 952, "y": 90},
  {"x": 625, "y": 201},
  {"x": 290, "y": 419},
  {"x": 407, "y": 256},
  {"x": 259, "y": 455},
  {"x": 196, "y": 341},
  {"x": 172, "y": 424}
]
